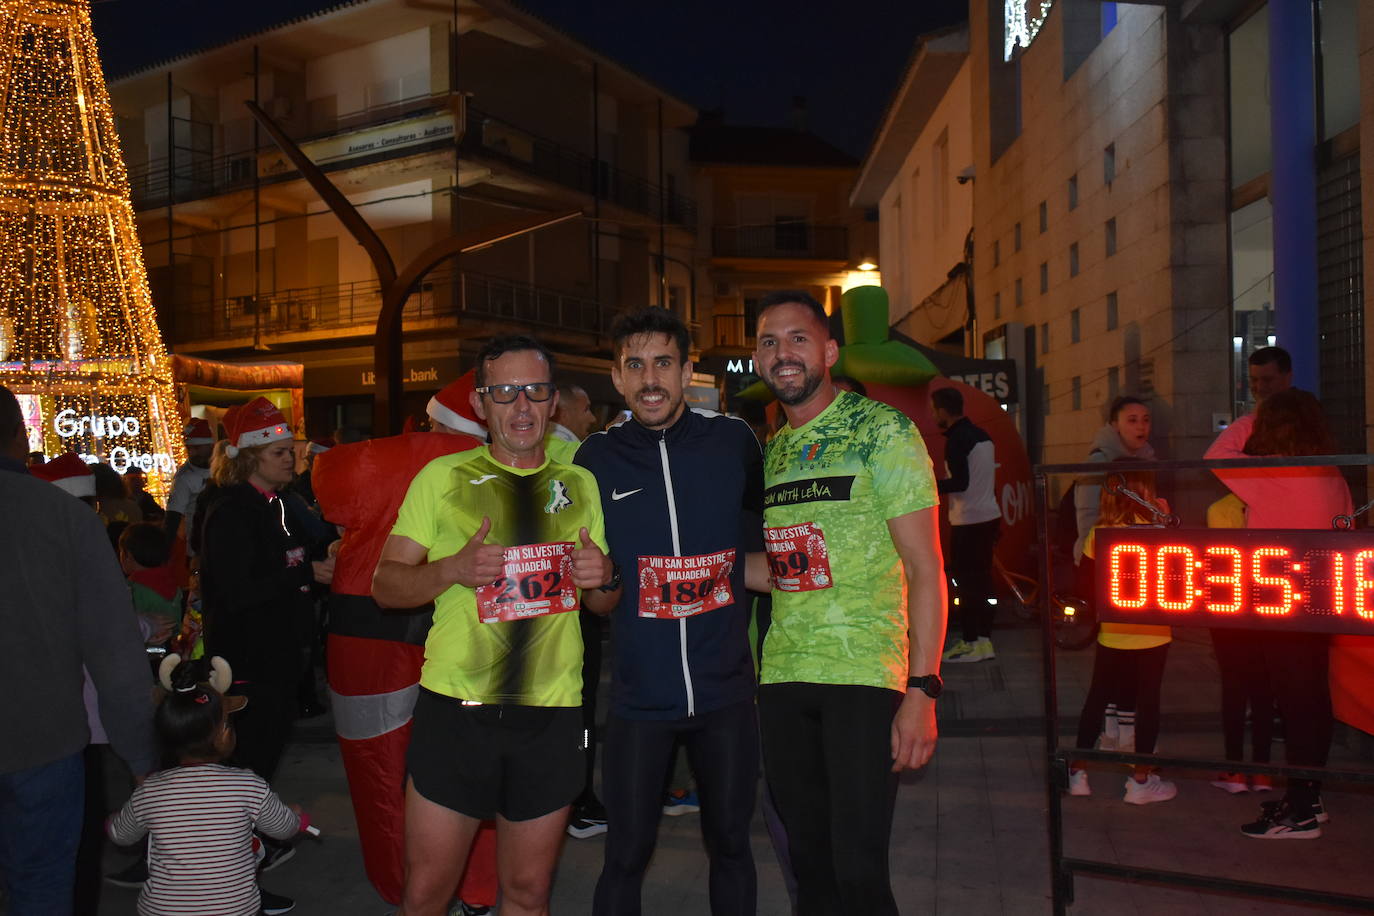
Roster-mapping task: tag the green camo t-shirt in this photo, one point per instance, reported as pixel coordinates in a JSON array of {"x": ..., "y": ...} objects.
[
  {"x": 854, "y": 466},
  {"x": 527, "y": 662}
]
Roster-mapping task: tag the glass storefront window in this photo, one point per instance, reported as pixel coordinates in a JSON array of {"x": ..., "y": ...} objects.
[
  {"x": 1249, "y": 54},
  {"x": 1340, "y": 35}
]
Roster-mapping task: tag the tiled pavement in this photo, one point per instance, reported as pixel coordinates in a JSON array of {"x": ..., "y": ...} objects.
[{"x": 970, "y": 835}]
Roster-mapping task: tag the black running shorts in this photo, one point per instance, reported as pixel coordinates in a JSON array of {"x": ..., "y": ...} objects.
[{"x": 520, "y": 762}]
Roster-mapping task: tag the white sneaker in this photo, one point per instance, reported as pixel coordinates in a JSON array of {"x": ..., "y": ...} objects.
[
  {"x": 1125, "y": 738},
  {"x": 1231, "y": 782},
  {"x": 1078, "y": 783},
  {"x": 1150, "y": 791}
]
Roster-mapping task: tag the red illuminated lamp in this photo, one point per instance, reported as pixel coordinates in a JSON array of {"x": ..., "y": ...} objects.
[{"x": 1262, "y": 579}]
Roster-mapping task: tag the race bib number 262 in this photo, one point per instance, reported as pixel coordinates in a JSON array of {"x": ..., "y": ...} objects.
[
  {"x": 798, "y": 558},
  {"x": 537, "y": 580}
]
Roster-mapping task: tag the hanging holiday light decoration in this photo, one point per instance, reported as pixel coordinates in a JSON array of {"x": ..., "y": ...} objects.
[{"x": 79, "y": 342}]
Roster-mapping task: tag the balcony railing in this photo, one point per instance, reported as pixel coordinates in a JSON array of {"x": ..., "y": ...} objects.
[
  {"x": 195, "y": 174},
  {"x": 781, "y": 240},
  {"x": 493, "y": 137},
  {"x": 347, "y": 306}
]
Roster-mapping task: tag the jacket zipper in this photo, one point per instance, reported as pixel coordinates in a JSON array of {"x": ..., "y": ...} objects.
[{"x": 677, "y": 552}]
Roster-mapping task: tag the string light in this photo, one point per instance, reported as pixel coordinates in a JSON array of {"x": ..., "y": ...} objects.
[{"x": 79, "y": 341}]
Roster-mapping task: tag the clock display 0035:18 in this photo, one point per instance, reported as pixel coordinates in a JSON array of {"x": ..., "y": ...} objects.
[{"x": 1319, "y": 581}]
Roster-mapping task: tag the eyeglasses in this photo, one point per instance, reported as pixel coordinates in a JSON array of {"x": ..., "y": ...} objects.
[{"x": 506, "y": 394}]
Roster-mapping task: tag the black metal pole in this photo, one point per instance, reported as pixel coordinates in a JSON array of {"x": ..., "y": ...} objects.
[
  {"x": 662, "y": 217},
  {"x": 596, "y": 182},
  {"x": 257, "y": 220},
  {"x": 1061, "y": 888},
  {"x": 171, "y": 198}
]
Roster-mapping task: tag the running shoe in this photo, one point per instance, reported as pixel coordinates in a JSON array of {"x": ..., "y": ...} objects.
[
  {"x": 1284, "y": 822},
  {"x": 1150, "y": 791},
  {"x": 462, "y": 908},
  {"x": 275, "y": 904},
  {"x": 1078, "y": 783},
  {"x": 1261, "y": 782},
  {"x": 1318, "y": 809},
  {"x": 980, "y": 650},
  {"x": 1231, "y": 782},
  {"x": 956, "y": 649},
  {"x": 684, "y": 801},
  {"x": 581, "y": 826},
  {"x": 276, "y": 853}
]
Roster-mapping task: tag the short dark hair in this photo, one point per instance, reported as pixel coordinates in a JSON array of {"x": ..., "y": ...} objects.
[
  {"x": 650, "y": 320},
  {"x": 796, "y": 297},
  {"x": 499, "y": 346},
  {"x": 147, "y": 543},
  {"x": 1121, "y": 403},
  {"x": 856, "y": 386},
  {"x": 1264, "y": 356},
  {"x": 948, "y": 400},
  {"x": 189, "y": 716}
]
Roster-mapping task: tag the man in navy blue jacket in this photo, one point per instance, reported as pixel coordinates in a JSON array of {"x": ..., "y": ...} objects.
[{"x": 682, "y": 492}]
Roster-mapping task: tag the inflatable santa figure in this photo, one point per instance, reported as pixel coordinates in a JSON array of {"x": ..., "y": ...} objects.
[{"x": 374, "y": 656}]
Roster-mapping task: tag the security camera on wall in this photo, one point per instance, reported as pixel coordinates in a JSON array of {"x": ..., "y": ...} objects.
[{"x": 965, "y": 176}]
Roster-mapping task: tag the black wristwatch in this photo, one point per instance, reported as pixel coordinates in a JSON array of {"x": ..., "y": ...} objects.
[
  {"x": 930, "y": 685},
  {"x": 614, "y": 582}
]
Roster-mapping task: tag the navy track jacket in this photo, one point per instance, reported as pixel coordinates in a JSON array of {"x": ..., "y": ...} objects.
[{"x": 693, "y": 488}]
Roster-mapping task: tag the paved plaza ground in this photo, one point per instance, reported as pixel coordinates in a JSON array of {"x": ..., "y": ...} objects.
[{"x": 970, "y": 834}]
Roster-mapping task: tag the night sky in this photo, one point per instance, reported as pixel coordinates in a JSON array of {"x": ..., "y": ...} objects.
[{"x": 748, "y": 57}]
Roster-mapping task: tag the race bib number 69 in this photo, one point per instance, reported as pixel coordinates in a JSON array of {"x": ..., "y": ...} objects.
[
  {"x": 537, "y": 580},
  {"x": 798, "y": 558}
]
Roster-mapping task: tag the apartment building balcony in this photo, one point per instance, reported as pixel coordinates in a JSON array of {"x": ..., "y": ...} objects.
[
  {"x": 795, "y": 241},
  {"x": 443, "y": 302},
  {"x": 195, "y": 172},
  {"x": 732, "y": 334}
]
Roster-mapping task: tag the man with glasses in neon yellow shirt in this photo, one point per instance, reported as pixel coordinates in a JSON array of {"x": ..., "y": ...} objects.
[{"x": 502, "y": 539}]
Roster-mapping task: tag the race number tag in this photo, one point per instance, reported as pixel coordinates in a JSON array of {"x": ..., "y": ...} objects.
[
  {"x": 537, "y": 581},
  {"x": 673, "y": 587},
  {"x": 798, "y": 558}
]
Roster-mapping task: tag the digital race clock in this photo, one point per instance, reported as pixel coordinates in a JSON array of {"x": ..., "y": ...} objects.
[{"x": 1317, "y": 581}]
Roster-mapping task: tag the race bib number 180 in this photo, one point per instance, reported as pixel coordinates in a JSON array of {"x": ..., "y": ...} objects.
[
  {"x": 675, "y": 587},
  {"x": 798, "y": 558},
  {"x": 537, "y": 580}
]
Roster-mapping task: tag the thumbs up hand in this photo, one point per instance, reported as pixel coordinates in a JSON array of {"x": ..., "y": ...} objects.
[
  {"x": 478, "y": 563},
  {"x": 591, "y": 567}
]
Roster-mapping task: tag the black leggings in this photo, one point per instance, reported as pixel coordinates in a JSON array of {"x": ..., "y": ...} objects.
[
  {"x": 1244, "y": 682},
  {"x": 1298, "y": 664},
  {"x": 828, "y": 757},
  {"x": 971, "y": 550},
  {"x": 723, "y": 750},
  {"x": 1119, "y": 673}
]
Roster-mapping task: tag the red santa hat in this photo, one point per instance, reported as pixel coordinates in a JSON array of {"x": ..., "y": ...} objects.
[
  {"x": 256, "y": 423},
  {"x": 453, "y": 406},
  {"x": 68, "y": 472},
  {"x": 198, "y": 432},
  {"x": 318, "y": 446}
]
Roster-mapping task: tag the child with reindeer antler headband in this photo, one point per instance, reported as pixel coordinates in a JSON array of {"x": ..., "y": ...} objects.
[{"x": 200, "y": 813}]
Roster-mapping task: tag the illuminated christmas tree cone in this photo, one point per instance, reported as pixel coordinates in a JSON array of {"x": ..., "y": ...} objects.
[{"x": 79, "y": 343}]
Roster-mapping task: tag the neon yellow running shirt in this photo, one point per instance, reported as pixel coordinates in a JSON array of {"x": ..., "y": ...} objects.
[
  {"x": 530, "y": 662},
  {"x": 850, "y": 469}
]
